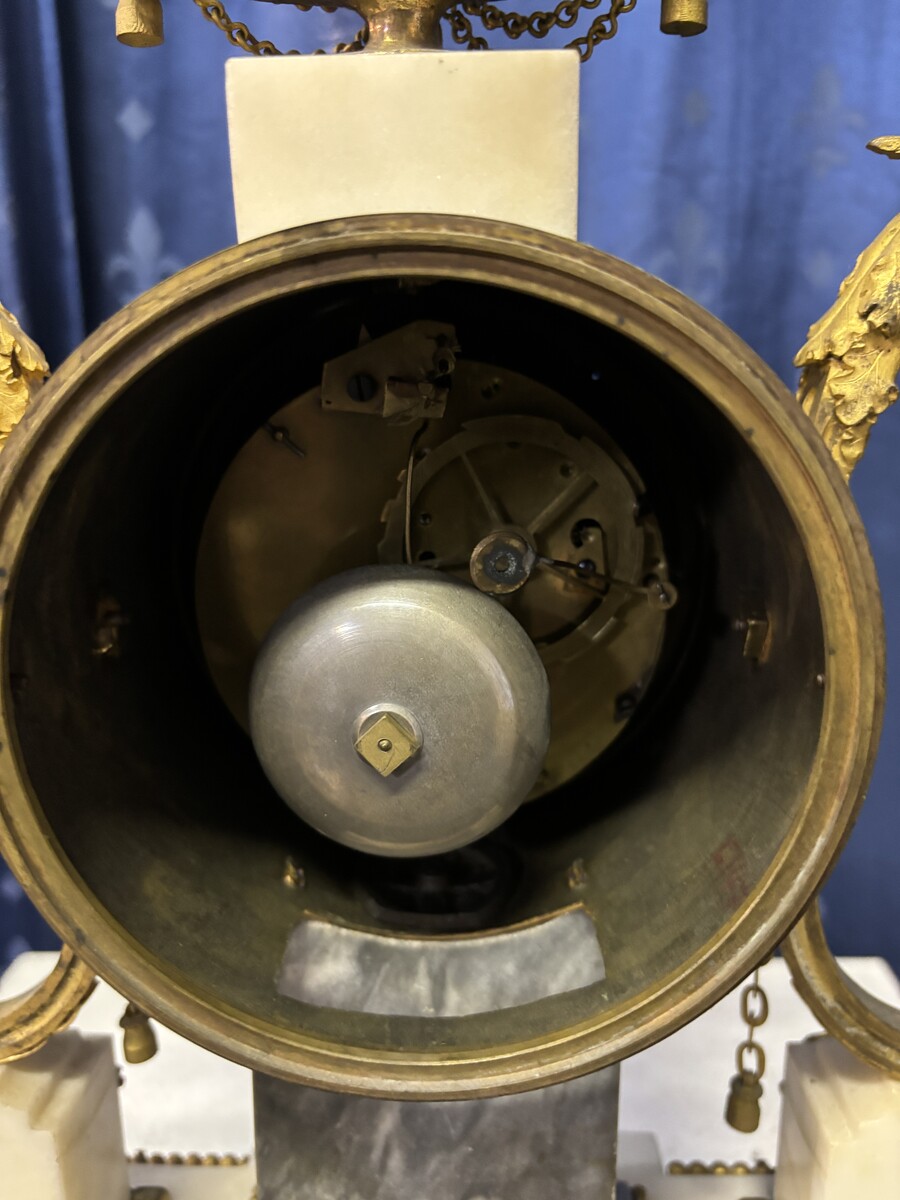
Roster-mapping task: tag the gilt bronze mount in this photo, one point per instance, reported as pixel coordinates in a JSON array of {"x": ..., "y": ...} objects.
[{"x": 403, "y": 25}]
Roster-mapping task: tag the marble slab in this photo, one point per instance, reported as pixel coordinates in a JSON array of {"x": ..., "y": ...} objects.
[
  {"x": 556, "y": 1143},
  {"x": 359, "y": 971},
  {"x": 314, "y": 138}
]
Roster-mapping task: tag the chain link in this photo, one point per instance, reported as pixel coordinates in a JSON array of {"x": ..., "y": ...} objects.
[
  {"x": 538, "y": 24},
  {"x": 242, "y": 39},
  {"x": 515, "y": 25},
  {"x": 754, "y": 1005},
  {"x": 756, "y": 1053},
  {"x": 754, "y": 1013}
]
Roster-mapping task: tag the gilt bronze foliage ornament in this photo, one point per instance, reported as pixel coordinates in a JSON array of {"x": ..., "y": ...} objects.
[
  {"x": 850, "y": 364},
  {"x": 22, "y": 369},
  {"x": 851, "y": 360}
]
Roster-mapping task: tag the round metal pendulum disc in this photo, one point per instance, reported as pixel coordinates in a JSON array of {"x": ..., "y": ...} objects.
[{"x": 400, "y": 711}]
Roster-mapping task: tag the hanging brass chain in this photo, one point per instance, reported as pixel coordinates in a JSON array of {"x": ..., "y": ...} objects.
[
  {"x": 462, "y": 32},
  {"x": 742, "y": 1109},
  {"x": 241, "y": 37},
  {"x": 602, "y": 28},
  {"x": 515, "y": 25},
  {"x": 538, "y": 24}
]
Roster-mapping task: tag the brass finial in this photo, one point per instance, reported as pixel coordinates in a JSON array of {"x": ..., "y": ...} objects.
[
  {"x": 139, "y": 22},
  {"x": 139, "y": 1040},
  {"x": 685, "y": 18}
]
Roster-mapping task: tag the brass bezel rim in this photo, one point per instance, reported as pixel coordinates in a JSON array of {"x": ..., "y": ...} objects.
[{"x": 655, "y": 316}]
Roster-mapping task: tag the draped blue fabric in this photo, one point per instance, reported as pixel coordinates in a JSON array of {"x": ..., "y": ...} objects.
[{"x": 732, "y": 165}]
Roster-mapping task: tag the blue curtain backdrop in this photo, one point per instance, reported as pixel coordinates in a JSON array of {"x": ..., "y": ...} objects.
[{"x": 732, "y": 165}]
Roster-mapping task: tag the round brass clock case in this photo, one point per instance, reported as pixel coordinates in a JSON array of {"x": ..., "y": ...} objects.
[{"x": 132, "y": 807}]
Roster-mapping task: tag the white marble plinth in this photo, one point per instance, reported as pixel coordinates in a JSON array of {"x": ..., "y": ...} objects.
[
  {"x": 188, "y": 1100},
  {"x": 840, "y": 1126},
  {"x": 60, "y": 1128},
  {"x": 486, "y": 135}
]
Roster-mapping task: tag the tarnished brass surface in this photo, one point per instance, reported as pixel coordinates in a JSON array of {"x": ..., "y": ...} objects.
[
  {"x": 131, "y": 806},
  {"x": 864, "y": 1024},
  {"x": 851, "y": 359},
  {"x": 27, "y": 1022},
  {"x": 344, "y": 505},
  {"x": 850, "y": 367}
]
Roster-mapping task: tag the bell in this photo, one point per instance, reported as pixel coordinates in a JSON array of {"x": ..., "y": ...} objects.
[
  {"x": 742, "y": 1109},
  {"x": 551, "y": 775}
]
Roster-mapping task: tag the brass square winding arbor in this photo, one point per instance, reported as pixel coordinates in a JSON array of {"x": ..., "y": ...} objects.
[{"x": 637, "y": 619}]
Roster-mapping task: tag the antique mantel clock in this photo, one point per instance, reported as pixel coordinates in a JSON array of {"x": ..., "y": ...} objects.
[{"x": 466, "y": 698}]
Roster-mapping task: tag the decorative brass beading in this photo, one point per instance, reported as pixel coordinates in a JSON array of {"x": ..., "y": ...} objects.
[
  {"x": 760, "y": 1167},
  {"x": 176, "y": 1159}
]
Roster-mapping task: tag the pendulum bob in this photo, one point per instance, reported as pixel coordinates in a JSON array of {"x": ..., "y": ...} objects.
[{"x": 714, "y": 675}]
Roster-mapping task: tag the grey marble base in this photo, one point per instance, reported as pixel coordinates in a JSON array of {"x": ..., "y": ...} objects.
[{"x": 557, "y": 1143}]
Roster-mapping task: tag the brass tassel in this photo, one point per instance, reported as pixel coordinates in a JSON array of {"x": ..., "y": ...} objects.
[
  {"x": 139, "y": 22},
  {"x": 684, "y": 17}
]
